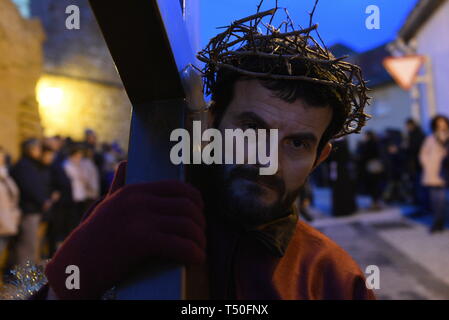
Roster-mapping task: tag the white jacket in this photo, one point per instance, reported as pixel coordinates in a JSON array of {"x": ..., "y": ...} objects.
[
  {"x": 92, "y": 178},
  {"x": 78, "y": 180},
  {"x": 9, "y": 208}
]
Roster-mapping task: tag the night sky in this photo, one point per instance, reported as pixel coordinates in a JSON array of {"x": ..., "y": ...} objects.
[{"x": 340, "y": 21}]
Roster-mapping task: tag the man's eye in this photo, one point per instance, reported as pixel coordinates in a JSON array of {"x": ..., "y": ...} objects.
[{"x": 297, "y": 143}]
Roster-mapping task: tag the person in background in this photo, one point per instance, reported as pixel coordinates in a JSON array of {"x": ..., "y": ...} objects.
[
  {"x": 78, "y": 181},
  {"x": 90, "y": 141},
  {"x": 414, "y": 138},
  {"x": 92, "y": 176},
  {"x": 371, "y": 163},
  {"x": 56, "y": 144},
  {"x": 109, "y": 165},
  {"x": 9, "y": 205},
  {"x": 47, "y": 159},
  {"x": 432, "y": 155},
  {"x": 34, "y": 200},
  {"x": 395, "y": 162},
  {"x": 343, "y": 184},
  {"x": 59, "y": 224}
]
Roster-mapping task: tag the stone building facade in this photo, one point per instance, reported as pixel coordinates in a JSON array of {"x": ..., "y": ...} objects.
[
  {"x": 21, "y": 61},
  {"x": 55, "y": 80},
  {"x": 425, "y": 31},
  {"x": 78, "y": 65},
  {"x": 389, "y": 104}
]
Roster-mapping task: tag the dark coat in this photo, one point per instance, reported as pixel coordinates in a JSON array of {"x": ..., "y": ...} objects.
[
  {"x": 343, "y": 187},
  {"x": 34, "y": 184},
  {"x": 61, "y": 182},
  {"x": 414, "y": 143}
]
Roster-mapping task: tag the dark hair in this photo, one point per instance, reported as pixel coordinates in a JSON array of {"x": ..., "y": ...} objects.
[
  {"x": 47, "y": 148},
  {"x": 75, "y": 148},
  {"x": 28, "y": 144},
  {"x": 314, "y": 94},
  {"x": 411, "y": 121},
  {"x": 433, "y": 123}
]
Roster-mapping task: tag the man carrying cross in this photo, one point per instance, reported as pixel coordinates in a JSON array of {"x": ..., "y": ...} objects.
[{"x": 241, "y": 225}]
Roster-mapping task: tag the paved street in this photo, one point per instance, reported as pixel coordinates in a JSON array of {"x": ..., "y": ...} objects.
[{"x": 413, "y": 264}]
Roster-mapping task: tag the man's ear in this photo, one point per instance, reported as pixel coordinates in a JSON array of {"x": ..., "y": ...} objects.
[{"x": 323, "y": 155}]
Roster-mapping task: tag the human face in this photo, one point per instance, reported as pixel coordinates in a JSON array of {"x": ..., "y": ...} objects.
[
  {"x": 91, "y": 138},
  {"x": 76, "y": 157},
  {"x": 409, "y": 127},
  {"x": 54, "y": 143},
  {"x": 252, "y": 198},
  {"x": 35, "y": 151},
  {"x": 442, "y": 125},
  {"x": 48, "y": 157}
]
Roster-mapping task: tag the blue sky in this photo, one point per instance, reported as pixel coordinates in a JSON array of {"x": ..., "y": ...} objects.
[{"x": 340, "y": 21}]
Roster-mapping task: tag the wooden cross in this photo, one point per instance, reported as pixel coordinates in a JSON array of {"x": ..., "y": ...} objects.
[{"x": 150, "y": 46}]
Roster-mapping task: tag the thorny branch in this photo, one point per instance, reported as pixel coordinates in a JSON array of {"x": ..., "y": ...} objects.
[{"x": 278, "y": 54}]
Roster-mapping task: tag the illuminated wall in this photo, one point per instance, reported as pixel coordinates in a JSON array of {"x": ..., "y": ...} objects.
[
  {"x": 68, "y": 106},
  {"x": 80, "y": 87},
  {"x": 21, "y": 62}
]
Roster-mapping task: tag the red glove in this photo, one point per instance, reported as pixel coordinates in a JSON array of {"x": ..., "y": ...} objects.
[{"x": 159, "y": 220}]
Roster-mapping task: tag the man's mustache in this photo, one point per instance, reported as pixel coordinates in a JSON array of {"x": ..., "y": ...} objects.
[{"x": 252, "y": 173}]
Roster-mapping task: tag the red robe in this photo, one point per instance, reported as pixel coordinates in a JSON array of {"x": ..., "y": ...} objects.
[{"x": 312, "y": 267}]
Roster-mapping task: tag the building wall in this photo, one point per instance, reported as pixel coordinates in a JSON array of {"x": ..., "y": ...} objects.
[
  {"x": 78, "y": 104},
  {"x": 432, "y": 40},
  {"x": 390, "y": 107},
  {"x": 20, "y": 67},
  {"x": 76, "y": 52},
  {"x": 79, "y": 66}
]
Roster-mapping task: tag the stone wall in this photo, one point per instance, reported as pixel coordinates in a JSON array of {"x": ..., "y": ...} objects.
[
  {"x": 86, "y": 104},
  {"x": 78, "y": 63},
  {"x": 77, "y": 52},
  {"x": 20, "y": 67}
]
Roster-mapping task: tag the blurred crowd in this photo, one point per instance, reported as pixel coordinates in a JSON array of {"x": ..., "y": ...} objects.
[
  {"x": 392, "y": 167},
  {"x": 45, "y": 193}
]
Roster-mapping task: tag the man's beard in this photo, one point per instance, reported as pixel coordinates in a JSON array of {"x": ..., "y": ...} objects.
[{"x": 239, "y": 194}]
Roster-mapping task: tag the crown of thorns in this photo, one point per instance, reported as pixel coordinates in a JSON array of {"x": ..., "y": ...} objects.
[{"x": 275, "y": 53}]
